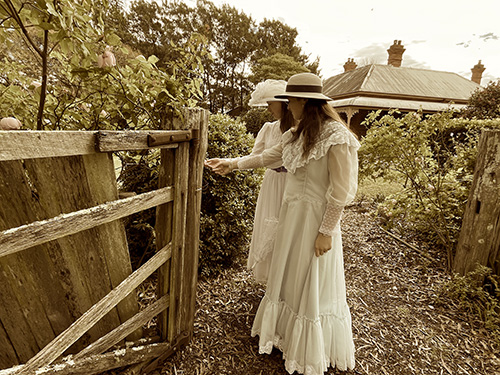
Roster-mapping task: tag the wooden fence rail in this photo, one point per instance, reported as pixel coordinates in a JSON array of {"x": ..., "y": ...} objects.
[{"x": 67, "y": 284}]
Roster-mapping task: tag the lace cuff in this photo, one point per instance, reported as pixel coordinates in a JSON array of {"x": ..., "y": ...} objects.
[
  {"x": 331, "y": 218},
  {"x": 247, "y": 162}
]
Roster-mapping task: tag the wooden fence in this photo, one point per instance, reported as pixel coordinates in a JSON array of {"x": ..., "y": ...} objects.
[{"x": 67, "y": 299}]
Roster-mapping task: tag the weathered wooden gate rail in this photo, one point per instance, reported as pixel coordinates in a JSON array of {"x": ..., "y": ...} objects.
[
  {"x": 178, "y": 201},
  {"x": 26, "y": 236}
]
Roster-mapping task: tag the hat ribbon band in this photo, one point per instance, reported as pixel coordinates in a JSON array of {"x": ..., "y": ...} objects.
[{"x": 303, "y": 88}]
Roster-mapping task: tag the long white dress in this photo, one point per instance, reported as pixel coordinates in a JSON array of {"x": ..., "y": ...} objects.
[
  {"x": 268, "y": 204},
  {"x": 304, "y": 311}
]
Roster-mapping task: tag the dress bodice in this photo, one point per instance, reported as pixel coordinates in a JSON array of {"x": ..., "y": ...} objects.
[{"x": 309, "y": 182}]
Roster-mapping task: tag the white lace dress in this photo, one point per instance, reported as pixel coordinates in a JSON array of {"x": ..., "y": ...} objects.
[
  {"x": 268, "y": 204},
  {"x": 304, "y": 311}
]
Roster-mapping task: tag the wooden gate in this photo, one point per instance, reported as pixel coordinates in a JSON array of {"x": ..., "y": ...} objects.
[{"x": 67, "y": 292}]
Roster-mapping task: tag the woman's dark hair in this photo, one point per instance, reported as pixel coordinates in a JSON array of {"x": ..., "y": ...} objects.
[
  {"x": 316, "y": 112},
  {"x": 286, "y": 121}
]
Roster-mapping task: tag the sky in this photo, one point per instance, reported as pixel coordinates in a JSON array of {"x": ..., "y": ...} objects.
[{"x": 443, "y": 35}]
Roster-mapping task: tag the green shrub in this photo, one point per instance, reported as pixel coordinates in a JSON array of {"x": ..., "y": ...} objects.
[
  {"x": 484, "y": 103},
  {"x": 139, "y": 174},
  {"x": 255, "y": 118},
  {"x": 228, "y": 202},
  {"x": 478, "y": 293},
  {"x": 433, "y": 159}
]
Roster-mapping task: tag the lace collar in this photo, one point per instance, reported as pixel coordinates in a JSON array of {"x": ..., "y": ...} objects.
[{"x": 332, "y": 133}]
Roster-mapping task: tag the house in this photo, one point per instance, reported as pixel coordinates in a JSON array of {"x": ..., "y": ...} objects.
[{"x": 359, "y": 91}]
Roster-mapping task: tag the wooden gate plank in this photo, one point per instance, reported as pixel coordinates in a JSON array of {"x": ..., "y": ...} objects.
[
  {"x": 119, "y": 333},
  {"x": 113, "y": 247},
  {"x": 29, "y": 300},
  {"x": 163, "y": 229},
  {"x": 7, "y": 354},
  {"x": 17, "y": 145},
  {"x": 197, "y": 121},
  {"x": 18, "y": 336},
  {"x": 181, "y": 171},
  {"x": 96, "y": 363},
  {"x": 139, "y": 140},
  {"x": 53, "y": 350},
  {"x": 17, "y": 239}
]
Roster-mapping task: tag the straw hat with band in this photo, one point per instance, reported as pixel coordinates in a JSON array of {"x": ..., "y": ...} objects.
[
  {"x": 265, "y": 92},
  {"x": 304, "y": 85}
]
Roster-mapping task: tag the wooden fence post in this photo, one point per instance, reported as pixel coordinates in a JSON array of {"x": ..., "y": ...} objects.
[
  {"x": 479, "y": 241},
  {"x": 184, "y": 168},
  {"x": 196, "y": 120}
]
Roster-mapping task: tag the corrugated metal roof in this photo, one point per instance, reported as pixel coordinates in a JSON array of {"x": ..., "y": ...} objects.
[
  {"x": 386, "y": 80},
  {"x": 384, "y": 103}
]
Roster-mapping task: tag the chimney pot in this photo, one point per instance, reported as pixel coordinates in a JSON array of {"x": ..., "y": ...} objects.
[
  {"x": 396, "y": 54},
  {"x": 477, "y": 72},
  {"x": 350, "y": 65}
]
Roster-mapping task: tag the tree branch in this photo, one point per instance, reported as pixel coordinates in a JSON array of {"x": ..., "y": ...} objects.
[{"x": 15, "y": 15}]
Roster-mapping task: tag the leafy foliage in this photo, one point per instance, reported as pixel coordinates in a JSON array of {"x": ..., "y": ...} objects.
[
  {"x": 139, "y": 175},
  {"x": 233, "y": 38},
  {"x": 484, "y": 103},
  {"x": 228, "y": 202},
  {"x": 478, "y": 293},
  {"x": 72, "y": 91},
  {"x": 433, "y": 159},
  {"x": 277, "y": 66},
  {"x": 255, "y": 118}
]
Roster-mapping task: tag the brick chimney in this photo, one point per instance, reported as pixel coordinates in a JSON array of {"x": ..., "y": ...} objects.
[
  {"x": 350, "y": 65},
  {"x": 477, "y": 72},
  {"x": 395, "y": 54}
]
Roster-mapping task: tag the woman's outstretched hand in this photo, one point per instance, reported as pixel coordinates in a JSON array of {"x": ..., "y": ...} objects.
[{"x": 219, "y": 166}]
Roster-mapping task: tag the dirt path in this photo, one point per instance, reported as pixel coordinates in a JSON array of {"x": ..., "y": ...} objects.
[{"x": 400, "y": 325}]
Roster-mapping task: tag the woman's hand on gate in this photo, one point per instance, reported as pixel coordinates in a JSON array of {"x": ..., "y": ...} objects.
[{"x": 219, "y": 166}]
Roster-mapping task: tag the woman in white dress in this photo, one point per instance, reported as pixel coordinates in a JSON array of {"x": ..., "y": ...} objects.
[
  {"x": 271, "y": 191},
  {"x": 304, "y": 311}
]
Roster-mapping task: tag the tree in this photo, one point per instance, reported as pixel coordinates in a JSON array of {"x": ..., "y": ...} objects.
[
  {"x": 66, "y": 39},
  {"x": 277, "y": 66},
  {"x": 276, "y": 37},
  {"x": 484, "y": 103},
  {"x": 234, "y": 40},
  {"x": 47, "y": 26}
]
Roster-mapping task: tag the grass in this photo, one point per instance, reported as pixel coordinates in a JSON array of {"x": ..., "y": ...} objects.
[{"x": 376, "y": 189}]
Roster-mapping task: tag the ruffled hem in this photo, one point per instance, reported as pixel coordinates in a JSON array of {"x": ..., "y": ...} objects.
[
  {"x": 332, "y": 133},
  {"x": 309, "y": 346}
]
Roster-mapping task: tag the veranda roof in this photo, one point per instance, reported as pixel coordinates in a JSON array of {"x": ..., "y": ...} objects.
[{"x": 384, "y": 103}]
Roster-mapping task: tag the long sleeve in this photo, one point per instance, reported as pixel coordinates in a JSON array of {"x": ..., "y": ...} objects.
[
  {"x": 267, "y": 137},
  {"x": 266, "y": 158},
  {"x": 343, "y": 175}
]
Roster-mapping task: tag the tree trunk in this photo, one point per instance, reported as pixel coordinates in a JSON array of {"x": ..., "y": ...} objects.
[{"x": 479, "y": 241}]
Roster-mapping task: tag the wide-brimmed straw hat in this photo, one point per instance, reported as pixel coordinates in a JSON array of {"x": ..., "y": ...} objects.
[
  {"x": 304, "y": 85},
  {"x": 265, "y": 92}
]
